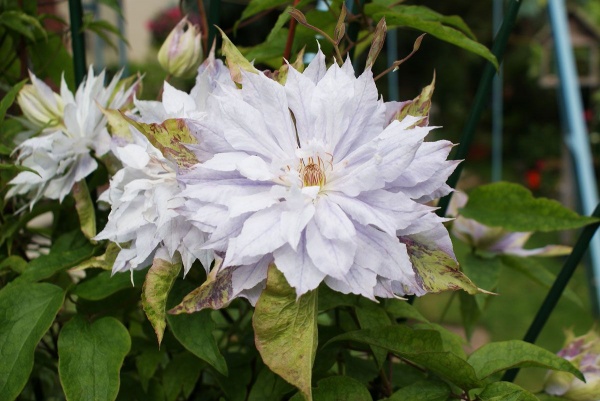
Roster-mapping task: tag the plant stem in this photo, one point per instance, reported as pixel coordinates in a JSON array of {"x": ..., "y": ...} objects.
[
  {"x": 287, "y": 53},
  {"x": 203, "y": 25}
]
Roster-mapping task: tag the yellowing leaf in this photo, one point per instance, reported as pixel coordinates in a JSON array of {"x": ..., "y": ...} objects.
[
  {"x": 436, "y": 270},
  {"x": 215, "y": 293},
  {"x": 235, "y": 60},
  {"x": 171, "y": 138},
  {"x": 286, "y": 331},
  {"x": 419, "y": 106},
  {"x": 158, "y": 283},
  {"x": 85, "y": 209}
]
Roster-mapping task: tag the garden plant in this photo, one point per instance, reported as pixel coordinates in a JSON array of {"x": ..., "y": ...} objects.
[{"x": 264, "y": 235}]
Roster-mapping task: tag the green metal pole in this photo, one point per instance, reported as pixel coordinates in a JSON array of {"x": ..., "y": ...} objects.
[
  {"x": 481, "y": 97},
  {"x": 77, "y": 40},
  {"x": 558, "y": 287}
]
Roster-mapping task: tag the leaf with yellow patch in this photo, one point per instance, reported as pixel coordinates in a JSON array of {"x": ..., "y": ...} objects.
[
  {"x": 215, "y": 293},
  {"x": 158, "y": 283},
  {"x": 85, "y": 209},
  {"x": 104, "y": 261},
  {"x": 435, "y": 269},
  {"x": 280, "y": 319},
  {"x": 419, "y": 106},
  {"x": 235, "y": 60},
  {"x": 171, "y": 138}
]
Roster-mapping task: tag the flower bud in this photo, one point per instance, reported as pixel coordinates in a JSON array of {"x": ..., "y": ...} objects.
[
  {"x": 584, "y": 353},
  {"x": 181, "y": 54},
  {"x": 40, "y": 104}
]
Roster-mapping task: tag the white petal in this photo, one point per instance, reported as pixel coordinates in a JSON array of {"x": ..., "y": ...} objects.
[
  {"x": 298, "y": 268},
  {"x": 260, "y": 235},
  {"x": 332, "y": 256}
]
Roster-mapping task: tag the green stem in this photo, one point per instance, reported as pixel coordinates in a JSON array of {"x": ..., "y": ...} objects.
[
  {"x": 483, "y": 93},
  {"x": 77, "y": 40},
  {"x": 558, "y": 287}
]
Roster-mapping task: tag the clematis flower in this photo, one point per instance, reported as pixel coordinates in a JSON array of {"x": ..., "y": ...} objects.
[
  {"x": 495, "y": 239},
  {"x": 144, "y": 196},
  {"x": 584, "y": 353},
  {"x": 311, "y": 177},
  {"x": 62, "y": 156},
  {"x": 181, "y": 53}
]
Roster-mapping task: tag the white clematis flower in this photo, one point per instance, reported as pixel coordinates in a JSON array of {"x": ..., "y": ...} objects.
[
  {"x": 144, "y": 196},
  {"x": 61, "y": 156},
  {"x": 310, "y": 176}
]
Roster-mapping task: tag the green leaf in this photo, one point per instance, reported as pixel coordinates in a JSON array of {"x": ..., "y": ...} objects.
[
  {"x": 90, "y": 356},
  {"x": 195, "y": 331},
  {"x": 85, "y": 208},
  {"x": 505, "y": 391},
  {"x": 372, "y": 316},
  {"x": 14, "y": 263},
  {"x": 470, "y": 312},
  {"x": 400, "y": 309},
  {"x": 256, "y": 6},
  {"x": 424, "y": 390},
  {"x": 69, "y": 250},
  {"x": 436, "y": 271},
  {"x": 536, "y": 272},
  {"x": 504, "y": 355},
  {"x": 268, "y": 386},
  {"x": 514, "y": 208},
  {"x": 104, "y": 261},
  {"x": 171, "y": 138},
  {"x": 404, "y": 18},
  {"x": 158, "y": 283},
  {"x": 341, "y": 388},
  {"x": 423, "y": 347},
  {"x": 26, "y": 313},
  {"x": 281, "y": 319},
  {"x": 104, "y": 284},
  {"x": 103, "y": 28},
  {"x": 9, "y": 98},
  {"x": 147, "y": 362},
  {"x": 180, "y": 375},
  {"x": 428, "y": 14},
  {"x": 451, "y": 342},
  {"x": 22, "y": 23},
  {"x": 51, "y": 59},
  {"x": 114, "y": 5}
]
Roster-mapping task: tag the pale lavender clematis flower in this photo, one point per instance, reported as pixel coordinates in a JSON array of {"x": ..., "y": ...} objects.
[
  {"x": 145, "y": 195},
  {"x": 495, "y": 239},
  {"x": 61, "y": 156},
  {"x": 311, "y": 177}
]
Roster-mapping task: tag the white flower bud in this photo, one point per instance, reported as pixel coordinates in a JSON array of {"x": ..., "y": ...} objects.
[
  {"x": 181, "y": 54},
  {"x": 40, "y": 104}
]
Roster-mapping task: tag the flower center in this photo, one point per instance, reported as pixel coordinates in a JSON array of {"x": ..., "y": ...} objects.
[{"x": 312, "y": 173}]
